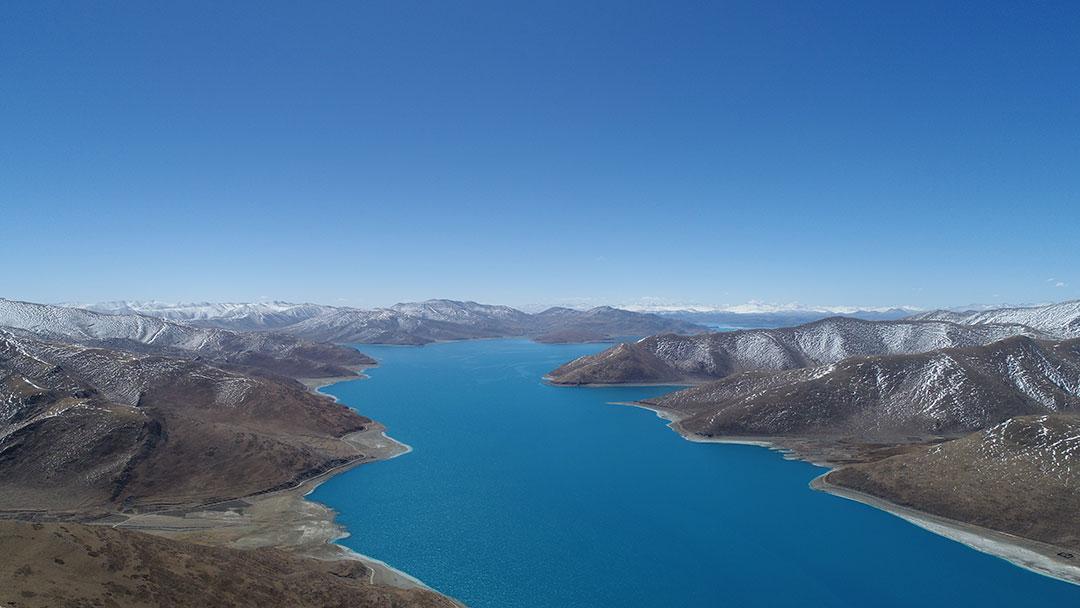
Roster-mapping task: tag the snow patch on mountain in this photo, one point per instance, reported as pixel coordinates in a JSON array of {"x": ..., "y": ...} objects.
[{"x": 1060, "y": 320}]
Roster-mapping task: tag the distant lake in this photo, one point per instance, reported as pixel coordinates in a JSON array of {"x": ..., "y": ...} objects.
[{"x": 520, "y": 494}]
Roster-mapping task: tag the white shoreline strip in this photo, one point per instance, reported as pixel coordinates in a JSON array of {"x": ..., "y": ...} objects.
[{"x": 1025, "y": 553}]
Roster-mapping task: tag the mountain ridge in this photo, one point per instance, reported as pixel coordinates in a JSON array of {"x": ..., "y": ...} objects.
[
  {"x": 709, "y": 356},
  {"x": 270, "y": 352},
  {"x": 417, "y": 323},
  {"x": 1061, "y": 319},
  {"x": 887, "y": 398}
]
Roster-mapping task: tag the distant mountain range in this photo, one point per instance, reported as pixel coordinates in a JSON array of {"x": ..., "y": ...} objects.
[
  {"x": 757, "y": 315},
  {"x": 762, "y": 320},
  {"x": 273, "y": 352},
  {"x": 236, "y": 316},
  {"x": 1061, "y": 320},
  {"x": 411, "y": 323}
]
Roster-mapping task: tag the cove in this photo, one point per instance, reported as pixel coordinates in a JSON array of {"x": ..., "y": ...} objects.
[{"x": 521, "y": 494}]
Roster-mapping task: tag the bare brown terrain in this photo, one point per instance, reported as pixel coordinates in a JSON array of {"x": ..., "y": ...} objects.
[
  {"x": 119, "y": 431},
  {"x": 68, "y": 565},
  {"x": 212, "y": 460},
  {"x": 1018, "y": 477}
]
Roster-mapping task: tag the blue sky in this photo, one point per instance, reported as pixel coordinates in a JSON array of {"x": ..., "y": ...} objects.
[{"x": 870, "y": 153}]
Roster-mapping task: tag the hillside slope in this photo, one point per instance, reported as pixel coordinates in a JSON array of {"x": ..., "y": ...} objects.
[
  {"x": 66, "y": 564},
  {"x": 882, "y": 399},
  {"x": 1061, "y": 320},
  {"x": 118, "y": 430},
  {"x": 1019, "y": 477},
  {"x": 273, "y": 352},
  {"x": 672, "y": 359}
]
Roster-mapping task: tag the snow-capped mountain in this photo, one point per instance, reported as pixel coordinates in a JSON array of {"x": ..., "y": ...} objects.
[
  {"x": 140, "y": 333},
  {"x": 780, "y": 318},
  {"x": 1061, "y": 320},
  {"x": 670, "y": 358},
  {"x": 412, "y": 322},
  {"x": 453, "y": 311},
  {"x": 755, "y": 307},
  {"x": 388, "y": 326},
  {"x": 946, "y": 392},
  {"x": 243, "y": 316},
  {"x": 438, "y": 320}
]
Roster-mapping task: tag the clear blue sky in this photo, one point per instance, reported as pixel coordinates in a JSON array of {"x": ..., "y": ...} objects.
[{"x": 923, "y": 153}]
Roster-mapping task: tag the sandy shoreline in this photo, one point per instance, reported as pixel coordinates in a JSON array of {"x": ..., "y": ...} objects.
[
  {"x": 287, "y": 519},
  {"x": 1031, "y": 555}
]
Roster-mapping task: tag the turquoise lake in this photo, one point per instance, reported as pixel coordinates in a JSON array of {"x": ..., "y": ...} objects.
[{"x": 520, "y": 494}]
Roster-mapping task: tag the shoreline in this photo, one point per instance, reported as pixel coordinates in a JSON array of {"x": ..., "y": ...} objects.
[
  {"x": 1038, "y": 557},
  {"x": 390, "y": 575},
  {"x": 683, "y": 383},
  {"x": 287, "y": 519},
  {"x": 1032, "y": 555},
  {"x": 673, "y": 419}
]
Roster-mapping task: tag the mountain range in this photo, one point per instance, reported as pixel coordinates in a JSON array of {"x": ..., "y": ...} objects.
[
  {"x": 887, "y": 398},
  {"x": 134, "y": 408},
  {"x": 269, "y": 352},
  {"x": 750, "y": 319},
  {"x": 1061, "y": 320},
  {"x": 672, "y": 358},
  {"x": 413, "y": 323}
]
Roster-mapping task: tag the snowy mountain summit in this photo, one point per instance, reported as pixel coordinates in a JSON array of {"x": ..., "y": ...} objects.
[{"x": 1061, "y": 320}]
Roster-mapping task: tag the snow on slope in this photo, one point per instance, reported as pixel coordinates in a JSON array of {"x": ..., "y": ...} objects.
[
  {"x": 716, "y": 355},
  {"x": 1061, "y": 320},
  {"x": 121, "y": 377},
  {"x": 275, "y": 352},
  {"x": 881, "y": 398},
  {"x": 227, "y": 315},
  {"x": 458, "y": 312},
  {"x": 87, "y": 426},
  {"x": 410, "y": 322},
  {"x": 1018, "y": 477}
]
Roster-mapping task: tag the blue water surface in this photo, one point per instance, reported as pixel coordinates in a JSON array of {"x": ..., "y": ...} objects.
[{"x": 521, "y": 494}]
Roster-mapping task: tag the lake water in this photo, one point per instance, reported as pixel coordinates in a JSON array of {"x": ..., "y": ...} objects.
[{"x": 520, "y": 494}]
